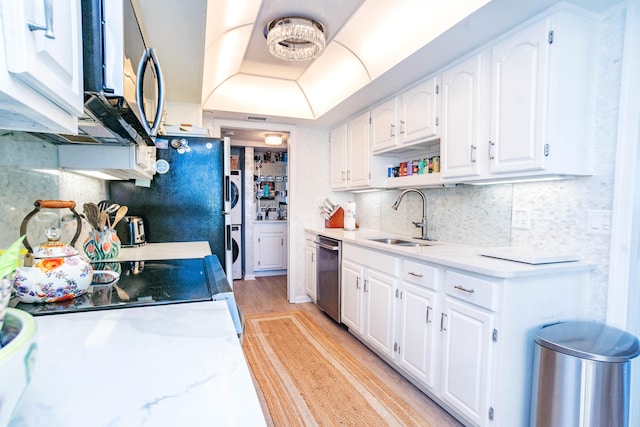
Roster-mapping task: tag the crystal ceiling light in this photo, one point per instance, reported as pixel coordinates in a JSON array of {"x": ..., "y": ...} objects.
[{"x": 295, "y": 38}]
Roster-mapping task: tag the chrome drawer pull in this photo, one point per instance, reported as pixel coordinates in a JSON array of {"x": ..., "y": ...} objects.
[
  {"x": 415, "y": 274},
  {"x": 464, "y": 289}
]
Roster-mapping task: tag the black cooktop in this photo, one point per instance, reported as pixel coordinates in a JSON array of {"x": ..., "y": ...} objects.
[{"x": 141, "y": 283}]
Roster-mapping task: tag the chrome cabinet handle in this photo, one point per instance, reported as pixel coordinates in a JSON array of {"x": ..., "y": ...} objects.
[
  {"x": 427, "y": 317},
  {"x": 473, "y": 153},
  {"x": 358, "y": 282},
  {"x": 392, "y": 129},
  {"x": 415, "y": 274},
  {"x": 402, "y": 130},
  {"x": 442, "y": 328},
  {"x": 48, "y": 21},
  {"x": 463, "y": 289},
  {"x": 492, "y": 150},
  {"x": 343, "y": 172}
]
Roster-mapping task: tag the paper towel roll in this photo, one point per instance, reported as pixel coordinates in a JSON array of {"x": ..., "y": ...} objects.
[{"x": 350, "y": 216}]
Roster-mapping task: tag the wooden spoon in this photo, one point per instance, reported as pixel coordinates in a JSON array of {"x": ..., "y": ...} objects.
[
  {"x": 122, "y": 211},
  {"x": 103, "y": 221},
  {"x": 122, "y": 294}
]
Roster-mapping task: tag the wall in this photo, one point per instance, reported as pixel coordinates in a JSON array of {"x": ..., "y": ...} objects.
[{"x": 28, "y": 172}]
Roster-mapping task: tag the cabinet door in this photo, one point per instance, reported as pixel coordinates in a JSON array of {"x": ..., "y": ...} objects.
[
  {"x": 48, "y": 62},
  {"x": 358, "y": 171},
  {"x": 380, "y": 324},
  {"x": 270, "y": 254},
  {"x": 460, "y": 119},
  {"x": 519, "y": 87},
  {"x": 339, "y": 157},
  {"x": 383, "y": 126},
  {"x": 467, "y": 349},
  {"x": 415, "y": 338},
  {"x": 351, "y": 295},
  {"x": 418, "y": 118},
  {"x": 310, "y": 270}
]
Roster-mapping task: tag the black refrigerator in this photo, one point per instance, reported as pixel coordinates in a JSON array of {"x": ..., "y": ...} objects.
[{"x": 187, "y": 202}]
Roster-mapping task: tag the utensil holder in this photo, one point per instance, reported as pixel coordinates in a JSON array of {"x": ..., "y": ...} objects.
[
  {"x": 101, "y": 245},
  {"x": 336, "y": 221}
]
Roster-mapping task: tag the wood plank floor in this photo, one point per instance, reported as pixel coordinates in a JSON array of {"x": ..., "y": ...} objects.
[{"x": 268, "y": 295}]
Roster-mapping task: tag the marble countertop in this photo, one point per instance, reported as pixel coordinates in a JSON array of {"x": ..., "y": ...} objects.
[
  {"x": 168, "y": 365},
  {"x": 464, "y": 257}
]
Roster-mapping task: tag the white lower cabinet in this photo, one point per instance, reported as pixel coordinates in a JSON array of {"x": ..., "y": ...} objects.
[
  {"x": 464, "y": 338},
  {"x": 310, "y": 266},
  {"x": 368, "y": 300},
  {"x": 270, "y": 246}
]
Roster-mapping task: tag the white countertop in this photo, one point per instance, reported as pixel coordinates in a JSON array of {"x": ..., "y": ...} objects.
[
  {"x": 169, "y": 365},
  {"x": 170, "y": 250},
  {"x": 464, "y": 257}
]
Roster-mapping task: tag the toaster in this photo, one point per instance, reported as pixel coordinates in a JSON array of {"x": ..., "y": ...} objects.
[{"x": 131, "y": 231}]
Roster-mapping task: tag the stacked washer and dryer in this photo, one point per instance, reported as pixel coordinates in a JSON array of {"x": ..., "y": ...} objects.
[{"x": 236, "y": 223}]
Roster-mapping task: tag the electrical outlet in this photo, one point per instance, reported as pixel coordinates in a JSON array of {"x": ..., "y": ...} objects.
[
  {"x": 599, "y": 222},
  {"x": 521, "y": 218}
]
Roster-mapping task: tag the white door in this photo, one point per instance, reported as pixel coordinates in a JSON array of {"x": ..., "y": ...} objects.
[
  {"x": 466, "y": 357},
  {"x": 380, "y": 296},
  {"x": 359, "y": 165},
  {"x": 417, "y": 314},
  {"x": 351, "y": 295},
  {"x": 384, "y": 132},
  {"x": 339, "y": 157},
  {"x": 518, "y": 106},
  {"x": 270, "y": 247},
  {"x": 418, "y": 112},
  {"x": 460, "y": 119}
]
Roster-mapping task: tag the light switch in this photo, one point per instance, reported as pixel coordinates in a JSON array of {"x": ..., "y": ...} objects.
[
  {"x": 521, "y": 218},
  {"x": 599, "y": 222}
]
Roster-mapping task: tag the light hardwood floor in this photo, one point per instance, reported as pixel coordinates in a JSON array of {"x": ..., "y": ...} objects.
[{"x": 268, "y": 295}]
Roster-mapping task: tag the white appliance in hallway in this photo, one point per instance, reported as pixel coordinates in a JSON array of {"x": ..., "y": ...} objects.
[
  {"x": 236, "y": 197},
  {"x": 236, "y": 250}
]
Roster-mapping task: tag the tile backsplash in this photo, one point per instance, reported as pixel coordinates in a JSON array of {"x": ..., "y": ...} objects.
[{"x": 29, "y": 172}]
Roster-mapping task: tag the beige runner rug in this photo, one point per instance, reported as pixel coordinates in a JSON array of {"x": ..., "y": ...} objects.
[{"x": 308, "y": 379}]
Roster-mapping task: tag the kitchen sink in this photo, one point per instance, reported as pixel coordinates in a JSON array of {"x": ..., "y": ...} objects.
[{"x": 399, "y": 242}]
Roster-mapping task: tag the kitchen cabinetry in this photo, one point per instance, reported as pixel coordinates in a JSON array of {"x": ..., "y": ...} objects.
[
  {"x": 417, "y": 333},
  {"x": 310, "y": 266},
  {"x": 542, "y": 98},
  {"x": 467, "y": 345},
  {"x": 270, "y": 246},
  {"x": 119, "y": 162},
  {"x": 461, "y": 118},
  {"x": 465, "y": 339},
  {"x": 352, "y": 164},
  {"x": 369, "y": 292},
  {"x": 41, "y": 68},
  {"x": 410, "y": 117}
]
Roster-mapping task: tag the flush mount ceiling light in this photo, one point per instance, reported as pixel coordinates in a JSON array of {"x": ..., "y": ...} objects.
[
  {"x": 295, "y": 38},
  {"x": 273, "y": 139}
]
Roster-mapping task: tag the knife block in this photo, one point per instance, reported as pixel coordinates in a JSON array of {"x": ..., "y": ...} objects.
[{"x": 336, "y": 221}]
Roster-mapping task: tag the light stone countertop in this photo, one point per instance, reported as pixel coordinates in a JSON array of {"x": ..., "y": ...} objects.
[
  {"x": 464, "y": 257},
  {"x": 164, "y": 365}
]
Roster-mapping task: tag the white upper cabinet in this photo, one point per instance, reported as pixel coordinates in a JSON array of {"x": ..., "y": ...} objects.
[
  {"x": 384, "y": 126},
  {"x": 418, "y": 116},
  {"x": 543, "y": 98},
  {"x": 353, "y": 166},
  {"x": 41, "y": 73},
  {"x": 461, "y": 119},
  {"x": 411, "y": 117}
]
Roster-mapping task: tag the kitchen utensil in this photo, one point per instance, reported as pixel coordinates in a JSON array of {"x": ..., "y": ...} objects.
[
  {"x": 122, "y": 211},
  {"x": 102, "y": 223},
  {"x": 52, "y": 271},
  {"x": 122, "y": 294},
  {"x": 92, "y": 213}
]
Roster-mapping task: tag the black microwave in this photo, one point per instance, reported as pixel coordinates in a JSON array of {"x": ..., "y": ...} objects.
[{"x": 122, "y": 74}]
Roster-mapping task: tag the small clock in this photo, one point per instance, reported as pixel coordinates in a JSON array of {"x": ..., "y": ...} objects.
[{"x": 162, "y": 166}]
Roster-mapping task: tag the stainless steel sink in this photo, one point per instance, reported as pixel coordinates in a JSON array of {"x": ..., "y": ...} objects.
[{"x": 399, "y": 242}]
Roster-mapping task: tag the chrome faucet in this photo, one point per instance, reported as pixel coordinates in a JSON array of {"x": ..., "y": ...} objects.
[{"x": 423, "y": 223}]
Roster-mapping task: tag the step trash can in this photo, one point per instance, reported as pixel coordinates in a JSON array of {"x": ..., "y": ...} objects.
[{"x": 581, "y": 375}]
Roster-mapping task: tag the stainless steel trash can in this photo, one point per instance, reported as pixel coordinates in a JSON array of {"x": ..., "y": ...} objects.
[{"x": 581, "y": 375}]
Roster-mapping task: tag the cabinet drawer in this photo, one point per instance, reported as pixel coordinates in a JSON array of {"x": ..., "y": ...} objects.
[
  {"x": 420, "y": 274},
  {"x": 471, "y": 289},
  {"x": 372, "y": 259}
]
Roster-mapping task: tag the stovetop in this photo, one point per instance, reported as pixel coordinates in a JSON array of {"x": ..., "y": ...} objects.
[{"x": 141, "y": 283}]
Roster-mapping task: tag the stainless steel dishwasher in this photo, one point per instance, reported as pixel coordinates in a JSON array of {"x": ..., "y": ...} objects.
[{"x": 329, "y": 259}]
